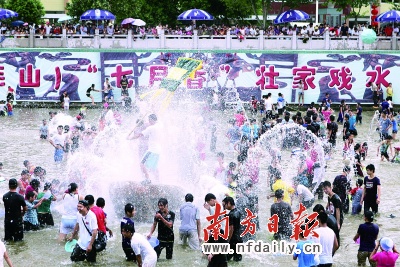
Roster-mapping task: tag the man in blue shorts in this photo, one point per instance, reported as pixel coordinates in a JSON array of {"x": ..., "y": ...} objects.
[
  {"x": 150, "y": 159},
  {"x": 58, "y": 141}
]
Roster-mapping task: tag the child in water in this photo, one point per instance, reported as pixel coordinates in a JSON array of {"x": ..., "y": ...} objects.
[
  {"x": 356, "y": 194},
  {"x": 396, "y": 158},
  {"x": 364, "y": 150},
  {"x": 385, "y": 147},
  {"x": 44, "y": 213}
]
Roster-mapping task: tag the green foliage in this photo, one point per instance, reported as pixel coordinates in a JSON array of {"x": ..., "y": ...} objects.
[
  {"x": 237, "y": 10},
  {"x": 30, "y": 11},
  {"x": 293, "y": 4},
  {"x": 396, "y": 6},
  {"x": 354, "y": 5}
]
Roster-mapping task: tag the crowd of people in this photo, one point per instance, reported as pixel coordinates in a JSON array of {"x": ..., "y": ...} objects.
[
  {"x": 241, "y": 31},
  {"x": 84, "y": 217},
  {"x": 243, "y": 136}
]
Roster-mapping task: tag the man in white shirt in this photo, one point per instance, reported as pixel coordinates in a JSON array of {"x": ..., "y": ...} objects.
[
  {"x": 396, "y": 30},
  {"x": 48, "y": 28},
  {"x": 305, "y": 196},
  {"x": 268, "y": 106},
  {"x": 108, "y": 91},
  {"x": 304, "y": 32},
  {"x": 4, "y": 29},
  {"x": 150, "y": 159},
  {"x": 146, "y": 256},
  {"x": 84, "y": 30},
  {"x": 86, "y": 224},
  {"x": 110, "y": 29},
  {"x": 327, "y": 239},
  {"x": 4, "y": 255},
  {"x": 58, "y": 141},
  {"x": 159, "y": 28}
]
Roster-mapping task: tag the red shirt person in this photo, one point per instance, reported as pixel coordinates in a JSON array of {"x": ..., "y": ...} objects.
[
  {"x": 389, "y": 31},
  {"x": 100, "y": 215}
]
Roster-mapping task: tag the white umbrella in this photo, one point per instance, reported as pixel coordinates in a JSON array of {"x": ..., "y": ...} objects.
[
  {"x": 138, "y": 22},
  {"x": 65, "y": 18}
]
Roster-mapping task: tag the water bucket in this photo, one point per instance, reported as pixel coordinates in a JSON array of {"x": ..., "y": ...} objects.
[
  {"x": 69, "y": 246},
  {"x": 154, "y": 242}
]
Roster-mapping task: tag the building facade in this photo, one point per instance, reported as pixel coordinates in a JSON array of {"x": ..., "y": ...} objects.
[{"x": 55, "y": 9}]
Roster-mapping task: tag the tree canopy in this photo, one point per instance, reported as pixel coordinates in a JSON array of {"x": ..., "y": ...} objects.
[{"x": 28, "y": 10}]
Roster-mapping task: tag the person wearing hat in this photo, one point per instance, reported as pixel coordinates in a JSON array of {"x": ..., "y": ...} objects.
[
  {"x": 285, "y": 214},
  {"x": 44, "y": 213},
  {"x": 164, "y": 218},
  {"x": 144, "y": 252},
  {"x": 86, "y": 225},
  {"x": 14, "y": 203},
  {"x": 341, "y": 186},
  {"x": 389, "y": 254},
  {"x": 189, "y": 231},
  {"x": 368, "y": 233}
]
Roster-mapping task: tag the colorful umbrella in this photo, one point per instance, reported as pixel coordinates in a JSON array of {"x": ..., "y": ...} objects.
[
  {"x": 97, "y": 14},
  {"x": 195, "y": 14},
  {"x": 6, "y": 13},
  {"x": 127, "y": 21},
  {"x": 291, "y": 16}
]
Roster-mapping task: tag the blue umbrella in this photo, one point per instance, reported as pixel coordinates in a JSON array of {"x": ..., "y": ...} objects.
[
  {"x": 17, "y": 23},
  {"x": 388, "y": 16},
  {"x": 6, "y": 13},
  {"x": 97, "y": 14},
  {"x": 195, "y": 14},
  {"x": 290, "y": 16}
]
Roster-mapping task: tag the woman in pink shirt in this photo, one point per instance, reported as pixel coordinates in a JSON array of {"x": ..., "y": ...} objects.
[
  {"x": 240, "y": 118},
  {"x": 388, "y": 256},
  {"x": 326, "y": 112}
]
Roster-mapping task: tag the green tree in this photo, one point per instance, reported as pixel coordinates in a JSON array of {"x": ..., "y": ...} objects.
[
  {"x": 30, "y": 11},
  {"x": 293, "y": 4},
  {"x": 76, "y": 8},
  {"x": 237, "y": 10},
  {"x": 352, "y": 8},
  {"x": 262, "y": 5}
]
